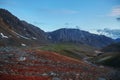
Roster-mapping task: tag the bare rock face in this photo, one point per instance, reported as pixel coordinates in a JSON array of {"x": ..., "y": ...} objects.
[
  {"x": 79, "y": 36},
  {"x": 13, "y": 31}
]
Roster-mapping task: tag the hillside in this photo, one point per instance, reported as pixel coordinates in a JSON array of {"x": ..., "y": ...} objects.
[
  {"x": 16, "y": 32},
  {"x": 115, "y": 47},
  {"x": 20, "y": 64},
  {"x": 77, "y": 51},
  {"x": 110, "y": 56}
]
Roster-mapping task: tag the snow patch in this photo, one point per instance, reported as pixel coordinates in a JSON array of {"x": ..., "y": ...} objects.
[
  {"x": 49, "y": 37},
  {"x": 34, "y": 38},
  {"x": 23, "y": 44},
  {"x": 18, "y": 35},
  {"x": 100, "y": 78},
  {"x": 3, "y": 36},
  {"x": 105, "y": 58},
  {"x": 22, "y": 58},
  {"x": 24, "y": 29}
]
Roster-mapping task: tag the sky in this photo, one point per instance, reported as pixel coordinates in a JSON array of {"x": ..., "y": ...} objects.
[{"x": 50, "y": 15}]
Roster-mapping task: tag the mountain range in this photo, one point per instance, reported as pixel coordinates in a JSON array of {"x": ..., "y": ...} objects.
[
  {"x": 79, "y": 36},
  {"x": 14, "y": 31}
]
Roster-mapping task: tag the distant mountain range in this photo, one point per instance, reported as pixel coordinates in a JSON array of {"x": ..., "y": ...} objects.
[
  {"x": 14, "y": 31},
  {"x": 113, "y": 33},
  {"x": 79, "y": 36}
]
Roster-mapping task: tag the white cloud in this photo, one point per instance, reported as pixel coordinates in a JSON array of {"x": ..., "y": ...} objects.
[
  {"x": 115, "y": 11},
  {"x": 59, "y": 11}
]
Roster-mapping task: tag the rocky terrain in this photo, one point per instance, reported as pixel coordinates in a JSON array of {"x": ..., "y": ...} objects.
[
  {"x": 29, "y": 64},
  {"x": 29, "y": 53}
]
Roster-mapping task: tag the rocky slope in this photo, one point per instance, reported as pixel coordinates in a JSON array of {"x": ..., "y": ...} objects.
[
  {"x": 19, "y": 64},
  {"x": 13, "y": 31},
  {"x": 79, "y": 36}
]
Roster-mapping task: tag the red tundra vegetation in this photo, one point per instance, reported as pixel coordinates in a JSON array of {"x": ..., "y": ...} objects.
[{"x": 44, "y": 65}]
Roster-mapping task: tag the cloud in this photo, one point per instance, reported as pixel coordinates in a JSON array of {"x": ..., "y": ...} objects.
[
  {"x": 5, "y": 2},
  {"x": 115, "y": 11},
  {"x": 59, "y": 11}
]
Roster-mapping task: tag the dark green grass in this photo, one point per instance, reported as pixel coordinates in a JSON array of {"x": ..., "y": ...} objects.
[{"x": 78, "y": 51}]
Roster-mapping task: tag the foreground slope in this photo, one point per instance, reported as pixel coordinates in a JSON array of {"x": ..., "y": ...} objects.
[{"x": 44, "y": 65}]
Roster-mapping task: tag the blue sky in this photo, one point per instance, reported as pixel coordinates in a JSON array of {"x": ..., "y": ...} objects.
[{"x": 50, "y": 15}]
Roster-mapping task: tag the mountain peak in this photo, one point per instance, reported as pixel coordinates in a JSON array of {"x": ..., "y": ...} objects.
[
  {"x": 79, "y": 36},
  {"x": 4, "y": 10}
]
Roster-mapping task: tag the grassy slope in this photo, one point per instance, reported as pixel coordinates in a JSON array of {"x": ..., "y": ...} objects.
[
  {"x": 115, "y": 47},
  {"x": 111, "y": 59},
  {"x": 111, "y": 56},
  {"x": 71, "y": 50}
]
